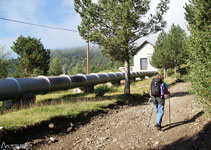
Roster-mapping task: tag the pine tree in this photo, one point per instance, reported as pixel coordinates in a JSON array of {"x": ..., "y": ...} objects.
[
  {"x": 116, "y": 25},
  {"x": 177, "y": 46},
  {"x": 33, "y": 58},
  {"x": 3, "y": 62},
  {"x": 170, "y": 49},
  {"x": 198, "y": 15},
  {"x": 55, "y": 67}
]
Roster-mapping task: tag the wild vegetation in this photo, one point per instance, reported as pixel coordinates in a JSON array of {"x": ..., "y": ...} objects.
[
  {"x": 198, "y": 15},
  {"x": 73, "y": 61}
]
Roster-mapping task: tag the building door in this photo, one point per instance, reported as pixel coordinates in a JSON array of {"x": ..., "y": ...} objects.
[{"x": 143, "y": 64}]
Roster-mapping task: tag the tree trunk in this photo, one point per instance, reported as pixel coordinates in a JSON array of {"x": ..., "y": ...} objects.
[
  {"x": 87, "y": 58},
  {"x": 165, "y": 73},
  {"x": 179, "y": 70},
  {"x": 127, "y": 78}
]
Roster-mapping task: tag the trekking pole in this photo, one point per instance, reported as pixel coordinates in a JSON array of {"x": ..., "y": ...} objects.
[
  {"x": 169, "y": 112},
  {"x": 150, "y": 117}
]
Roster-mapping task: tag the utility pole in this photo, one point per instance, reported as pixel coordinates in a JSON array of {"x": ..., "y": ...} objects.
[
  {"x": 87, "y": 57},
  {"x": 88, "y": 88}
]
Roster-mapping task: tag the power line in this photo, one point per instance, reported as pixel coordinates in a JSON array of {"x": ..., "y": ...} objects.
[
  {"x": 25, "y": 11},
  {"x": 39, "y": 25},
  {"x": 22, "y": 10}
]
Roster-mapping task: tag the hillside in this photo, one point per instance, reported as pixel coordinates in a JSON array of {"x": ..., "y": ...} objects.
[{"x": 74, "y": 60}]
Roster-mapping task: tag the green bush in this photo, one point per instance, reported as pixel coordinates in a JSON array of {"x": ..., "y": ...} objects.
[
  {"x": 176, "y": 75},
  {"x": 199, "y": 48},
  {"x": 170, "y": 72},
  {"x": 101, "y": 90}
]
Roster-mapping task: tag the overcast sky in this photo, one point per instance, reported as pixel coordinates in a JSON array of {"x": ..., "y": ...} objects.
[{"x": 60, "y": 13}]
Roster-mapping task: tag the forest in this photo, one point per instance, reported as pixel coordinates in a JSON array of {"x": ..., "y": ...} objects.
[
  {"x": 68, "y": 61},
  {"x": 73, "y": 60}
]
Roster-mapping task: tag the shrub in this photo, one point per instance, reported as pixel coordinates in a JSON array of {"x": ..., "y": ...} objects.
[
  {"x": 199, "y": 48},
  {"x": 101, "y": 90}
]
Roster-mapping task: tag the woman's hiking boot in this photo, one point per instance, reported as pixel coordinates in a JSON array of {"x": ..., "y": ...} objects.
[{"x": 158, "y": 127}]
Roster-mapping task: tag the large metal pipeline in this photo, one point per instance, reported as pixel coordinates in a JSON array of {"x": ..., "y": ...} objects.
[{"x": 12, "y": 88}]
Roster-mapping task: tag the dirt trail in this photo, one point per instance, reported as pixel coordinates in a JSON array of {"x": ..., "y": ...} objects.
[{"x": 127, "y": 129}]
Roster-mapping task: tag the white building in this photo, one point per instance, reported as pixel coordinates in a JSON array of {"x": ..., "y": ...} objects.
[{"x": 143, "y": 57}]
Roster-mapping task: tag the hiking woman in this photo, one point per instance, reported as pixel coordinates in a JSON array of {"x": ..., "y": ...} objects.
[{"x": 157, "y": 89}]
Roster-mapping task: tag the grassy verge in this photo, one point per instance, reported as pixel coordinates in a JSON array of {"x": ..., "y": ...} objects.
[
  {"x": 32, "y": 116},
  {"x": 55, "y": 95},
  {"x": 67, "y": 104}
]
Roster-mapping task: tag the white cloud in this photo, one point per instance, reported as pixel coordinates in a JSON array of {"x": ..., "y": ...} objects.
[
  {"x": 176, "y": 14},
  {"x": 54, "y": 39}
]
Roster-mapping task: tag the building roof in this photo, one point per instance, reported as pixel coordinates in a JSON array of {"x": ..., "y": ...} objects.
[{"x": 142, "y": 45}]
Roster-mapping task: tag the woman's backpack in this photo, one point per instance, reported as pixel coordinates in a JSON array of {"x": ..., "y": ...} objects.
[{"x": 156, "y": 87}]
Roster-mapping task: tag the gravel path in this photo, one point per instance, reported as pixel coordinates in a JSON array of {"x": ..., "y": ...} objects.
[{"x": 127, "y": 129}]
